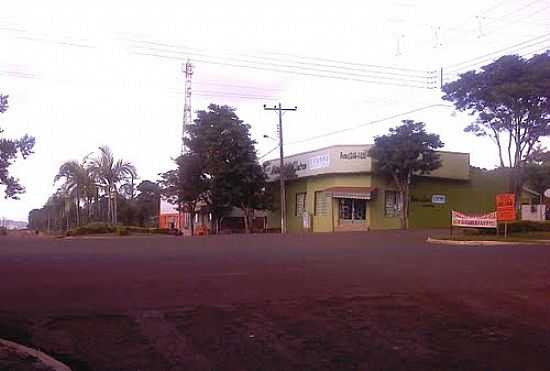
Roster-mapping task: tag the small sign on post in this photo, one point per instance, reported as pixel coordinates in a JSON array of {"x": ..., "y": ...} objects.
[{"x": 506, "y": 209}]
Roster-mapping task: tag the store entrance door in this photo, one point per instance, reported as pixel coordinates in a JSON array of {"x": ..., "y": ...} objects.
[{"x": 352, "y": 211}]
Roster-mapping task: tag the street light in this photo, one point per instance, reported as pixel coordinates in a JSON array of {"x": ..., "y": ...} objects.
[{"x": 269, "y": 137}]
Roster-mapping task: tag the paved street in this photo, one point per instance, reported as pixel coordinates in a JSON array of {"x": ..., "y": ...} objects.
[{"x": 350, "y": 301}]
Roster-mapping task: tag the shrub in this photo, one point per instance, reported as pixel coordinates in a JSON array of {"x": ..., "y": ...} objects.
[
  {"x": 122, "y": 231},
  {"x": 92, "y": 228},
  {"x": 161, "y": 230},
  {"x": 133, "y": 229},
  {"x": 524, "y": 226},
  {"x": 101, "y": 228},
  {"x": 3, "y": 231}
]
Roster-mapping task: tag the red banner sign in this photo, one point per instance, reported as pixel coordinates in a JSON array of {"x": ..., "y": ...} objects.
[
  {"x": 474, "y": 221},
  {"x": 506, "y": 207}
]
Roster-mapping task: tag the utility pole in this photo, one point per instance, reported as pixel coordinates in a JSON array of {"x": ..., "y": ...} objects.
[
  {"x": 281, "y": 161},
  {"x": 187, "y": 68}
]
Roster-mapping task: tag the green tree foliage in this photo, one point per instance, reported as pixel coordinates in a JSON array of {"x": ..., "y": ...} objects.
[
  {"x": 537, "y": 171},
  {"x": 223, "y": 146},
  {"x": 10, "y": 149},
  {"x": 98, "y": 189},
  {"x": 147, "y": 203},
  {"x": 109, "y": 174},
  {"x": 185, "y": 186},
  {"x": 78, "y": 183},
  {"x": 510, "y": 99},
  {"x": 408, "y": 150}
]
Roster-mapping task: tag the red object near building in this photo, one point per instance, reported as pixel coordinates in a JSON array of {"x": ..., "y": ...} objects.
[{"x": 506, "y": 207}]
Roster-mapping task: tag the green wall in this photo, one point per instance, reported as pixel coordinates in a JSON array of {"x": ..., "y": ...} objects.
[{"x": 474, "y": 196}]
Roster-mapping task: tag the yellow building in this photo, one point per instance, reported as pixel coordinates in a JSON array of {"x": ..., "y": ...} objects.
[{"x": 336, "y": 189}]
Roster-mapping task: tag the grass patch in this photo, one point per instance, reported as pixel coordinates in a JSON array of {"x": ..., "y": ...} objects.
[
  {"x": 512, "y": 237},
  {"x": 104, "y": 228}
]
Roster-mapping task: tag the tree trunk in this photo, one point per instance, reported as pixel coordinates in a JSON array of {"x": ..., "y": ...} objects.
[
  {"x": 109, "y": 217},
  {"x": 246, "y": 221},
  {"x": 192, "y": 222},
  {"x": 77, "y": 206},
  {"x": 499, "y": 145},
  {"x": 406, "y": 204},
  {"x": 115, "y": 209}
]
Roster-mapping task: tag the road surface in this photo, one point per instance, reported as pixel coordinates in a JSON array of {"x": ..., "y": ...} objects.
[{"x": 347, "y": 301}]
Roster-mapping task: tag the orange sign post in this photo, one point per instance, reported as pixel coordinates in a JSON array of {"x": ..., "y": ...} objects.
[{"x": 506, "y": 209}]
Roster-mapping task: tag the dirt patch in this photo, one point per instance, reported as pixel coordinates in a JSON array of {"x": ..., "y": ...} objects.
[{"x": 381, "y": 332}]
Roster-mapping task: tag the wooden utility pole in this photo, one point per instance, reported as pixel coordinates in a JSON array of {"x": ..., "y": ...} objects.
[{"x": 280, "y": 109}]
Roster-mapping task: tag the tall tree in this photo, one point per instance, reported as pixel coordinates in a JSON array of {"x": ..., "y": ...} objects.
[
  {"x": 408, "y": 150},
  {"x": 10, "y": 149},
  {"x": 147, "y": 202},
  {"x": 77, "y": 182},
  {"x": 537, "y": 171},
  {"x": 223, "y": 146},
  {"x": 110, "y": 173},
  {"x": 186, "y": 185},
  {"x": 511, "y": 101}
]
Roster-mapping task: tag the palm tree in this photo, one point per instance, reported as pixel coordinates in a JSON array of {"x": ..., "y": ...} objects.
[
  {"x": 109, "y": 173},
  {"x": 76, "y": 179}
]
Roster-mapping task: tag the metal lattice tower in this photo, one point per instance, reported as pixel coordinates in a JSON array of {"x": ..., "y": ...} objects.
[{"x": 187, "y": 68}]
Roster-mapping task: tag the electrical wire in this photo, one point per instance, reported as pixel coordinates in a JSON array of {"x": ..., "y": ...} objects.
[
  {"x": 490, "y": 55},
  {"x": 456, "y": 73},
  {"x": 514, "y": 12},
  {"x": 356, "y": 64},
  {"x": 268, "y": 153},
  {"x": 339, "y": 71},
  {"x": 427, "y": 86},
  {"x": 201, "y": 93},
  {"x": 340, "y": 131}
]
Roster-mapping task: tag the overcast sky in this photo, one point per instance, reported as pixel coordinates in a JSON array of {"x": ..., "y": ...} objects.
[{"x": 78, "y": 78}]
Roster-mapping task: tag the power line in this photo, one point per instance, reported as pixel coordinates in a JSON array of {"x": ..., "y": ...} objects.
[
  {"x": 338, "y": 71},
  {"x": 287, "y": 71},
  {"x": 525, "y": 18},
  {"x": 517, "y": 10},
  {"x": 481, "y": 57},
  {"x": 356, "y": 64},
  {"x": 268, "y": 152},
  {"x": 449, "y": 76},
  {"x": 525, "y": 54},
  {"x": 201, "y": 93},
  {"x": 340, "y": 131}
]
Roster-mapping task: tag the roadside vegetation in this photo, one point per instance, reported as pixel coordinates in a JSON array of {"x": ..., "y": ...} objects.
[
  {"x": 510, "y": 100},
  {"x": 517, "y": 231},
  {"x": 97, "y": 193},
  {"x": 10, "y": 150},
  {"x": 219, "y": 170},
  {"x": 121, "y": 230}
]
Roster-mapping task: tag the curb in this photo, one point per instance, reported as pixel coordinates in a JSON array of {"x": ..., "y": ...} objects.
[
  {"x": 40, "y": 360},
  {"x": 483, "y": 243}
]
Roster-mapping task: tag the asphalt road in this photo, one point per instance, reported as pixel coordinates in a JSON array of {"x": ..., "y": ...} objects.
[{"x": 348, "y": 301}]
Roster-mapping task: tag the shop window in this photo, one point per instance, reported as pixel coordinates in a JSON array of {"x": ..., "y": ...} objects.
[
  {"x": 321, "y": 203},
  {"x": 300, "y": 203},
  {"x": 392, "y": 203},
  {"x": 353, "y": 210}
]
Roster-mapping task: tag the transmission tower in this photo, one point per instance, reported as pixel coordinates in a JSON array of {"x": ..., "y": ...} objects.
[{"x": 187, "y": 68}]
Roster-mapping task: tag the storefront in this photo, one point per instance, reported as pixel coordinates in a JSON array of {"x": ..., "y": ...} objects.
[{"x": 336, "y": 189}]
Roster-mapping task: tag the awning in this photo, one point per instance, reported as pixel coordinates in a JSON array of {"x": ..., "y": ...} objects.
[{"x": 362, "y": 193}]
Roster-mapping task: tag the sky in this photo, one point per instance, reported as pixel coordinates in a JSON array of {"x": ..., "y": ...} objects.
[{"x": 82, "y": 75}]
